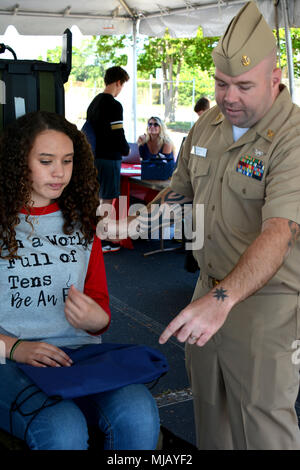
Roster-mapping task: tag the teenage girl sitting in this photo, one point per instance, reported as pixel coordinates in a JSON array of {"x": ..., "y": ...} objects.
[{"x": 53, "y": 289}]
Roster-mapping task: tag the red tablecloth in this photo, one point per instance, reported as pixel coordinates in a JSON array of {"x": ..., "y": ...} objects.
[
  {"x": 131, "y": 169},
  {"x": 131, "y": 189},
  {"x": 127, "y": 169}
]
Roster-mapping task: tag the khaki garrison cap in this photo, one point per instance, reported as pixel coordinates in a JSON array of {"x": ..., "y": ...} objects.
[{"x": 246, "y": 42}]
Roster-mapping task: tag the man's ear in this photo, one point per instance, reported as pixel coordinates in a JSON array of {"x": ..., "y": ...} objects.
[{"x": 276, "y": 77}]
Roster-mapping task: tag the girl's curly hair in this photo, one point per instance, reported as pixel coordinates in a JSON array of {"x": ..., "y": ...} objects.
[{"x": 79, "y": 200}]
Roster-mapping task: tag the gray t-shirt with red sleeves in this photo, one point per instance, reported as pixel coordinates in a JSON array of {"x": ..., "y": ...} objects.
[{"x": 34, "y": 288}]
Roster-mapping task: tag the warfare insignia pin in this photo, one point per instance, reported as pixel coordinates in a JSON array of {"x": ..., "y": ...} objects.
[
  {"x": 251, "y": 167},
  {"x": 258, "y": 153},
  {"x": 246, "y": 60}
]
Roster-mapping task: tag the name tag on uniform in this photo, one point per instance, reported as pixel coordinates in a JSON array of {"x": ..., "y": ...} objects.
[{"x": 199, "y": 151}]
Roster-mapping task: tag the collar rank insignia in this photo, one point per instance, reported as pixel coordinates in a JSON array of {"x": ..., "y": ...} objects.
[
  {"x": 219, "y": 117},
  {"x": 252, "y": 167}
]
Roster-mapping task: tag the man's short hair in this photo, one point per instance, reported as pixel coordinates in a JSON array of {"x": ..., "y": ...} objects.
[
  {"x": 201, "y": 105},
  {"x": 113, "y": 74}
]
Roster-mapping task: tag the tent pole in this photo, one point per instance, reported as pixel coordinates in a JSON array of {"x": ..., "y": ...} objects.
[
  {"x": 134, "y": 79},
  {"x": 288, "y": 42},
  {"x": 277, "y": 31}
]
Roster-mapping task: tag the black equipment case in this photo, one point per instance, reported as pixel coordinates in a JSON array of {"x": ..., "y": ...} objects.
[{"x": 31, "y": 85}]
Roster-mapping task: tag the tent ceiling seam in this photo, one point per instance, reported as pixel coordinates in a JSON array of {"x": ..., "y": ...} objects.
[
  {"x": 126, "y": 7},
  {"x": 61, "y": 15}
]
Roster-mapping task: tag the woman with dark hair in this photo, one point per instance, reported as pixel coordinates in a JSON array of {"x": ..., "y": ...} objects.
[{"x": 53, "y": 289}]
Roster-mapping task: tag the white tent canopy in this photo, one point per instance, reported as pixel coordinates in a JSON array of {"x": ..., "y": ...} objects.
[{"x": 182, "y": 17}]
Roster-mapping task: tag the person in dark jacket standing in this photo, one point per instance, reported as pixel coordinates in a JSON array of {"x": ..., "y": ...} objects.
[{"x": 105, "y": 114}]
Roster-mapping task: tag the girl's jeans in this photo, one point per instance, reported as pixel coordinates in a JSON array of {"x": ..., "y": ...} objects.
[{"x": 128, "y": 417}]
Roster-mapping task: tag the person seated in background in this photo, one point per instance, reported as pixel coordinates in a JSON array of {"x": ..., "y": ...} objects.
[
  {"x": 156, "y": 142},
  {"x": 203, "y": 104}
]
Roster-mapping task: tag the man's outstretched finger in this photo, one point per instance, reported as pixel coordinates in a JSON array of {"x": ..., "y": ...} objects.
[{"x": 171, "y": 330}]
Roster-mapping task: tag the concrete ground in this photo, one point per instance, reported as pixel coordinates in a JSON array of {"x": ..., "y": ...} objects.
[{"x": 145, "y": 294}]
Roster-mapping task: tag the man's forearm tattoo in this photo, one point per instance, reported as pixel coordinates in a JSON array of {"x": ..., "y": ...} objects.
[
  {"x": 158, "y": 212},
  {"x": 220, "y": 293},
  {"x": 174, "y": 198}
]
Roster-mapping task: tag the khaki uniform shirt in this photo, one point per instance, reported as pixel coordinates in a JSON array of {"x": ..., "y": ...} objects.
[{"x": 241, "y": 184}]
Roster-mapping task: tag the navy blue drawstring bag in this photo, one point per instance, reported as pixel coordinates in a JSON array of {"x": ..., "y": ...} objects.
[
  {"x": 157, "y": 168},
  {"x": 99, "y": 368},
  {"x": 88, "y": 130}
]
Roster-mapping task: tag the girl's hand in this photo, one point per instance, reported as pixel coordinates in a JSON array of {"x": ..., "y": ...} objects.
[
  {"x": 83, "y": 312},
  {"x": 41, "y": 354}
]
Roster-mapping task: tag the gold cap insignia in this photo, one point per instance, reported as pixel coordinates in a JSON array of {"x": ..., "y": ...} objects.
[
  {"x": 270, "y": 133},
  {"x": 246, "y": 60}
]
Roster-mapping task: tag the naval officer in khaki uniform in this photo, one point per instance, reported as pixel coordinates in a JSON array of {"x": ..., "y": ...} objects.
[{"x": 242, "y": 161}]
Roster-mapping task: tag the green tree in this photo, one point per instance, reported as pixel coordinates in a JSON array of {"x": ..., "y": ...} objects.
[
  {"x": 204, "y": 84},
  {"x": 295, "y": 36},
  {"x": 94, "y": 56},
  {"x": 169, "y": 55},
  {"x": 110, "y": 49},
  {"x": 86, "y": 65}
]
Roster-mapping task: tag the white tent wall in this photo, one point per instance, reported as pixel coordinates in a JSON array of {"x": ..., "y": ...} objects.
[{"x": 181, "y": 17}]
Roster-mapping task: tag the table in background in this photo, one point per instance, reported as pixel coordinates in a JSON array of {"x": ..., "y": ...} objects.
[
  {"x": 127, "y": 170},
  {"x": 133, "y": 186}
]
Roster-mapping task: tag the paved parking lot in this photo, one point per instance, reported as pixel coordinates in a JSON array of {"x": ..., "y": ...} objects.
[{"x": 145, "y": 294}]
